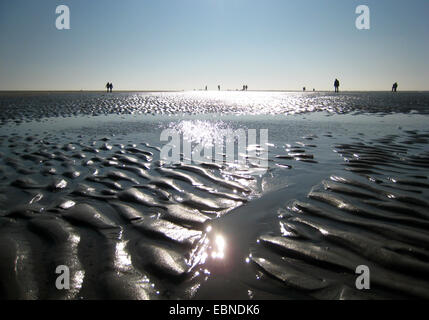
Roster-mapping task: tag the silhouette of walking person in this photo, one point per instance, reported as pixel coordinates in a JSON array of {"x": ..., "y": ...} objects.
[
  {"x": 111, "y": 87},
  {"x": 107, "y": 86},
  {"x": 336, "y": 85},
  {"x": 395, "y": 87},
  {"x": 218, "y": 87}
]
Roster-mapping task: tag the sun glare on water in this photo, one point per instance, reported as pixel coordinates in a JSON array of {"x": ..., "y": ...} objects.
[{"x": 219, "y": 250}]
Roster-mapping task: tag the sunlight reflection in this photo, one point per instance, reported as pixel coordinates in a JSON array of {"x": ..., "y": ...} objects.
[
  {"x": 122, "y": 257},
  {"x": 206, "y": 132},
  {"x": 79, "y": 275},
  {"x": 219, "y": 250},
  {"x": 248, "y": 258}
]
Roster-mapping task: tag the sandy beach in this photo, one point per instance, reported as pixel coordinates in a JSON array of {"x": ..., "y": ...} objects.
[{"x": 82, "y": 184}]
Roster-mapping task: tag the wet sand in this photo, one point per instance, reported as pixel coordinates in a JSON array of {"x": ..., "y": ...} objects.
[{"x": 82, "y": 185}]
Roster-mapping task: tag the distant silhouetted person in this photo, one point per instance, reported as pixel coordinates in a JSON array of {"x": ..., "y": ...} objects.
[
  {"x": 395, "y": 87},
  {"x": 206, "y": 88},
  {"x": 336, "y": 85},
  {"x": 107, "y": 86},
  {"x": 314, "y": 89},
  {"x": 247, "y": 87},
  {"x": 111, "y": 87},
  {"x": 218, "y": 87},
  {"x": 303, "y": 89}
]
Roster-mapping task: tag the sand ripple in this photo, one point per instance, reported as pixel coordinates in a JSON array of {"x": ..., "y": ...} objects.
[
  {"x": 127, "y": 227},
  {"x": 374, "y": 213}
]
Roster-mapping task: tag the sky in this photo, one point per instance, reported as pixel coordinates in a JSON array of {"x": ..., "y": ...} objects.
[{"x": 188, "y": 44}]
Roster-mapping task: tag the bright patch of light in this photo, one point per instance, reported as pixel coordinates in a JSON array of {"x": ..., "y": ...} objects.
[{"x": 219, "y": 250}]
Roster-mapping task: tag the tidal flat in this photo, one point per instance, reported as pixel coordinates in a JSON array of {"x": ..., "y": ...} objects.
[{"x": 82, "y": 184}]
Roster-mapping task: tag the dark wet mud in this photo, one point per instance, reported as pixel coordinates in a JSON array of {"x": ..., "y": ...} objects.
[
  {"x": 373, "y": 212},
  {"x": 97, "y": 197}
]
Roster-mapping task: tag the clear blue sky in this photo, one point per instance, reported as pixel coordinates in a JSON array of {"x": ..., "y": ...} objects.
[{"x": 187, "y": 44}]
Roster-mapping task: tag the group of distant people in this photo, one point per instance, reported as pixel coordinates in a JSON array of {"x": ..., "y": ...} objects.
[
  {"x": 218, "y": 87},
  {"x": 109, "y": 86},
  {"x": 337, "y": 86},
  {"x": 245, "y": 87}
]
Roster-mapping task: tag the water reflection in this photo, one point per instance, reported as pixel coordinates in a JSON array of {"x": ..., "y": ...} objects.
[
  {"x": 206, "y": 132},
  {"x": 220, "y": 145},
  {"x": 212, "y": 248},
  {"x": 122, "y": 257},
  {"x": 219, "y": 247}
]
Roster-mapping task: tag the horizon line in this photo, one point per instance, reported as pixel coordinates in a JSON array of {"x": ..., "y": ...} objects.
[{"x": 203, "y": 90}]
